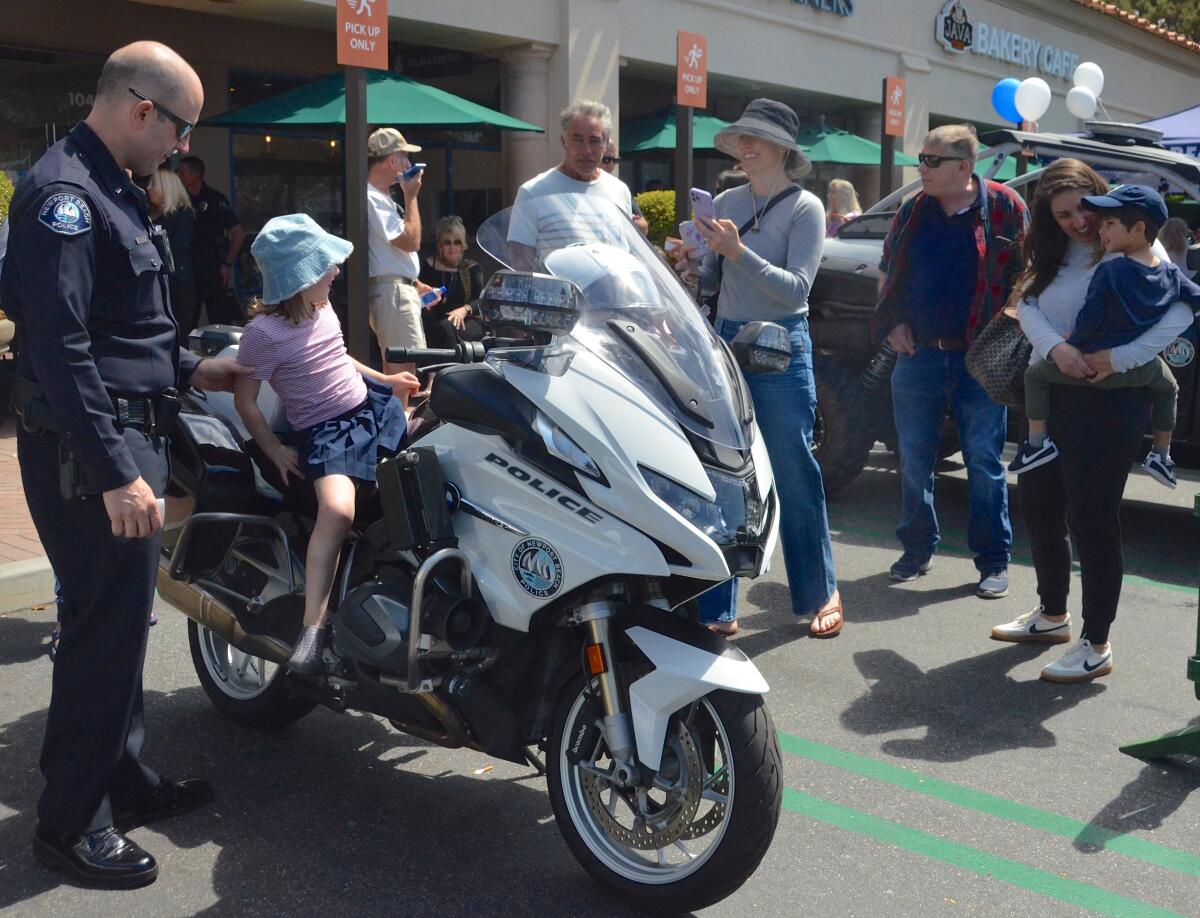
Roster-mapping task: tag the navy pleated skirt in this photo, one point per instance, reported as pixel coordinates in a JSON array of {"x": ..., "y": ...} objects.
[{"x": 355, "y": 442}]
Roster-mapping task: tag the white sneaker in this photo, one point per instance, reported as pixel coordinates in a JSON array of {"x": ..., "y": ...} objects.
[
  {"x": 1034, "y": 627},
  {"x": 1080, "y": 664}
]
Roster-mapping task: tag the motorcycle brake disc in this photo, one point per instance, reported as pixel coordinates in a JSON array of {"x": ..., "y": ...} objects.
[{"x": 685, "y": 801}]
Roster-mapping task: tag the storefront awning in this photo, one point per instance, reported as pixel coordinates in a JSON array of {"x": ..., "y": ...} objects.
[
  {"x": 391, "y": 99},
  {"x": 657, "y": 132},
  {"x": 824, "y": 144}
]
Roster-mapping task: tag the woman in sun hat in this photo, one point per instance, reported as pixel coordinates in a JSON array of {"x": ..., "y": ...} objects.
[
  {"x": 764, "y": 251},
  {"x": 345, "y": 413}
]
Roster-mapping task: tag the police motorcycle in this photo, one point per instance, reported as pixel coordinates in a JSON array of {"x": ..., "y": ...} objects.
[{"x": 521, "y": 579}]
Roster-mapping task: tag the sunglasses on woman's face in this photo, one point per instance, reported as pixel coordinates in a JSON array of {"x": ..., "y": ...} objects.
[
  {"x": 453, "y": 242},
  {"x": 932, "y": 160},
  {"x": 610, "y": 160}
]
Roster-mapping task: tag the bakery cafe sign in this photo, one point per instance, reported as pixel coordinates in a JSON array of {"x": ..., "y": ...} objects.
[{"x": 959, "y": 32}]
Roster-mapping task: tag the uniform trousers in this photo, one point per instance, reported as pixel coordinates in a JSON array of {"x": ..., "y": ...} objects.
[{"x": 94, "y": 730}]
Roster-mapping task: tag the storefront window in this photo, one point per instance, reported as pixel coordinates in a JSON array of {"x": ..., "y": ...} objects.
[{"x": 43, "y": 94}]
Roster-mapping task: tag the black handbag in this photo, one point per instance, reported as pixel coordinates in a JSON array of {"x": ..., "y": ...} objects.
[{"x": 998, "y": 358}]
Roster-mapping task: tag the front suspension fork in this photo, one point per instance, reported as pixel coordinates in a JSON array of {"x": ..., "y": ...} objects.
[{"x": 601, "y": 665}]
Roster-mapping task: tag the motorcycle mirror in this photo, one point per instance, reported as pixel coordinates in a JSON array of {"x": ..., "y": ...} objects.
[
  {"x": 762, "y": 347},
  {"x": 537, "y": 302}
]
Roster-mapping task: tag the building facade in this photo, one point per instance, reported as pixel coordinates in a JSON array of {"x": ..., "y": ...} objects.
[{"x": 529, "y": 58}]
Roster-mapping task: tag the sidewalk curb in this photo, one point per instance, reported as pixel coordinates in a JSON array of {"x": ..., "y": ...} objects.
[{"x": 25, "y": 583}]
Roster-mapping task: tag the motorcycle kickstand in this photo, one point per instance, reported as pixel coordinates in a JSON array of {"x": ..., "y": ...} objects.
[{"x": 538, "y": 763}]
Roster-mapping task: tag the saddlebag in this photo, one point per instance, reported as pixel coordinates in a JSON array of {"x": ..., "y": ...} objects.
[{"x": 413, "y": 496}]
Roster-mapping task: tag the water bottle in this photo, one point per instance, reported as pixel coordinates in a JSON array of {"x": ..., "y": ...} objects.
[
  {"x": 431, "y": 296},
  {"x": 879, "y": 370}
]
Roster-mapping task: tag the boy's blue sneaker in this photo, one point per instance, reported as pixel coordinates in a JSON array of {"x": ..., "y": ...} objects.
[
  {"x": 1161, "y": 469},
  {"x": 1030, "y": 456}
]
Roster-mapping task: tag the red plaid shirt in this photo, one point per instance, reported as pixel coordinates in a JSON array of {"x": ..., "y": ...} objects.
[{"x": 999, "y": 223}]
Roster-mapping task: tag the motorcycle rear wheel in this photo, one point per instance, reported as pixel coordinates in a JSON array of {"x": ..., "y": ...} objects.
[
  {"x": 707, "y": 850},
  {"x": 248, "y": 690}
]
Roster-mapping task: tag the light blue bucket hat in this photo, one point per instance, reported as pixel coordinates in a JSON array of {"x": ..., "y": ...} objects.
[{"x": 293, "y": 253}]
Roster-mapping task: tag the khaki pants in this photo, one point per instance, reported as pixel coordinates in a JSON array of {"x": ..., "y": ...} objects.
[
  {"x": 395, "y": 314},
  {"x": 1155, "y": 376}
]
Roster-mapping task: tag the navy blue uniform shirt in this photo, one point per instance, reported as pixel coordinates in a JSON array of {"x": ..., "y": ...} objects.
[
  {"x": 1125, "y": 298},
  {"x": 942, "y": 273},
  {"x": 88, "y": 291},
  {"x": 214, "y": 216}
]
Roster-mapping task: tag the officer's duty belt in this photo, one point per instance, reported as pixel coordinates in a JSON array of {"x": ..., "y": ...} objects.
[{"x": 152, "y": 416}]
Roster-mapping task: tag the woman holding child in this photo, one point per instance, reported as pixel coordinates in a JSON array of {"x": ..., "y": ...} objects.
[{"x": 1097, "y": 431}]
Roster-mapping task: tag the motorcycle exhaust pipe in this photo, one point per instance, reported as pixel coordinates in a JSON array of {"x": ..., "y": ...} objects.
[{"x": 204, "y": 609}]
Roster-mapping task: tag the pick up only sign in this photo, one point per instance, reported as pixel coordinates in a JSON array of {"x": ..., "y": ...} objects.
[{"x": 362, "y": 27}]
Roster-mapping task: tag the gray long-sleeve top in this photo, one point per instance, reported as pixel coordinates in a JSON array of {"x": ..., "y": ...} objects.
[{"x": 772, "y": 278}]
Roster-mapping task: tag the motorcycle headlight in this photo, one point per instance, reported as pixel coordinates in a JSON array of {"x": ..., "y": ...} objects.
[
  {"x": 736, "y": 516},
  {"x": 561, "y": 446}
]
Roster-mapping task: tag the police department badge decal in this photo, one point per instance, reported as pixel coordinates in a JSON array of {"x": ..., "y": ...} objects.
[
  {"x": 1179, "y": 353},
  {"x": 538, "y": 568},
  {"x": 65, "y": 214}
]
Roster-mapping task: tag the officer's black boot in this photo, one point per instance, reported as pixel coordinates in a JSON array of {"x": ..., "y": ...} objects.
[{"x": 105, "y": 859}]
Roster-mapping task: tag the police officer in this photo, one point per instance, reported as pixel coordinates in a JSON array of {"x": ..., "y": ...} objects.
[{"x": 86, "y": 282}]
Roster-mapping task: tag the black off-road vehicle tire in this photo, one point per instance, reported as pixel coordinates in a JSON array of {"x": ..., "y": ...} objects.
[{"x": 845, "y": 428}]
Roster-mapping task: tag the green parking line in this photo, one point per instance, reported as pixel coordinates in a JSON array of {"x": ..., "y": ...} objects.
[
  {"x": 1025, "y": 559},
  {"x": 991, "y": 805},
  {"x": 978, "y": 862}
]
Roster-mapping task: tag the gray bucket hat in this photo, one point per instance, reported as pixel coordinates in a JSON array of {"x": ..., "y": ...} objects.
[{"x": 768, "y": 120}]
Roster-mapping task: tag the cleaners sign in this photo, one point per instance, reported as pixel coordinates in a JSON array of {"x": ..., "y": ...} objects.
[
  {"x": 362, "y": 33},
  {"x": 959, "y": 33}
]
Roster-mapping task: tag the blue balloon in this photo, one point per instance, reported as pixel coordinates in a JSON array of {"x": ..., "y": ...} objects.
[{"x": 1004, "y": 99}]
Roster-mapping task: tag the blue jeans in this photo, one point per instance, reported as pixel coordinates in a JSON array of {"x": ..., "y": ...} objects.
[
  {"x": 921, "y": 387},
  {"x": 785, "y": 408}
]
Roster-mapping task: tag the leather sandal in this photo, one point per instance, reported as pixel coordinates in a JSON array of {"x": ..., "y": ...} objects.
[
  {"x": 831, "y": 608},
  {"x": 725, "y": 629}
]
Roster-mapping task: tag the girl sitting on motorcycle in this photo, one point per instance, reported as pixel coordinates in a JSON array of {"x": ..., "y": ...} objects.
[{"x": 344, "y": 413}]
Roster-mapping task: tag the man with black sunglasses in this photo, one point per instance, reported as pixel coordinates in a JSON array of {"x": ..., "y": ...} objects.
[
  {"x": 949, "y": 263},
  {"x": 86, "y": 282}
]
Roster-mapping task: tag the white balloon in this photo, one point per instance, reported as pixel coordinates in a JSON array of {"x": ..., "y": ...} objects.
[
  {"x": 1033, "y": 98},
  {"x": 1081, "y": 102},
  {"x": 1090, "y": 76}
]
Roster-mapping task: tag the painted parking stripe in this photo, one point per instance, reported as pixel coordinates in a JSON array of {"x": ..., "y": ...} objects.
[
  {"x": 978, "y": 862},
  {"x": 1026, "y": 560},
  {"x": 991, "y": 805}
]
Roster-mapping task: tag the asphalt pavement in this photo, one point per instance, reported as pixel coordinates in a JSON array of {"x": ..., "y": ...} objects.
[{"x": 928, "y": 770}]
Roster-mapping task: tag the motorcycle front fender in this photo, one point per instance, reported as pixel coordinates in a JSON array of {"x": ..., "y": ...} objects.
[{"x": 689, "y": 662}]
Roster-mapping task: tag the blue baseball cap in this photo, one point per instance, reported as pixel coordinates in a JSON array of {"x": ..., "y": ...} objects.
[
  {"x": 1142, "y": 197},
  {"x": 293, "y": 253}
]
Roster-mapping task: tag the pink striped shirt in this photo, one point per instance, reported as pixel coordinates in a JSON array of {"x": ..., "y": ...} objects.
[{"x": 306, "y": 364}]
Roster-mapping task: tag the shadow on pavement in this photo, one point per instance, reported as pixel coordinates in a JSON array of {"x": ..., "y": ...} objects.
[
  {"x": 1160, "y": 789},
  {"x": 319, "y": 818},
  {"x": 22, "y": 640},
  {"x": 970, "y": 707}
]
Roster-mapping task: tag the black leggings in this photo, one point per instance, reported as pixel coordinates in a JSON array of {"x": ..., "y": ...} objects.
[{"x": 1098, "y": 433}]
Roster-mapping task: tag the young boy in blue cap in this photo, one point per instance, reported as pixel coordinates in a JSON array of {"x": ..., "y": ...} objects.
[{"x": 1126, "y": 296}]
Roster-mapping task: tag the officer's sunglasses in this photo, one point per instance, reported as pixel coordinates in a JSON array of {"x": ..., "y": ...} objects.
[
  {"x": 182, "y": 127},
  {"x": 932, "y": 160}
]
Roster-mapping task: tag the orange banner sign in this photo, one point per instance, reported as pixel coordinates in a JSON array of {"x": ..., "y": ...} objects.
[
  {"x": 893, "y": 108},
  {"x": 691, "y": 87},
  {"x": 362, "y": 39}
]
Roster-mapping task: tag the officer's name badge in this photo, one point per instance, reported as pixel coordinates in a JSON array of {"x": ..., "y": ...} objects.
[{"x": 66, "y": 214}]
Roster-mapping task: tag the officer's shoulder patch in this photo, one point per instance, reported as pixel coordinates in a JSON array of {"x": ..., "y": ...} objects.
[{"x": 66, "y": 214}]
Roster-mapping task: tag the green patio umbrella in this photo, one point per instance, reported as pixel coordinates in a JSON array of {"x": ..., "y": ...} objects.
[
  {"x": 657, "y": 132},
  {"x": 391, "y": 99},
  {"x": 824, "y": 144}
]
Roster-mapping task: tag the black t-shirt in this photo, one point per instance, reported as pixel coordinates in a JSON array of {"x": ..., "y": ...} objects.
[{"x": 214, "y": 216}]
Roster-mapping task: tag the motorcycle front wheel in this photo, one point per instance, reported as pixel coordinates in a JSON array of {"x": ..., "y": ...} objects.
[
  {"x": 700, "y": 830},
  {"x": 248, "y": 690}
]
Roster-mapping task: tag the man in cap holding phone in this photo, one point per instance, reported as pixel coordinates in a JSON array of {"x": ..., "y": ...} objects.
[{"x": 393, "y": 239}]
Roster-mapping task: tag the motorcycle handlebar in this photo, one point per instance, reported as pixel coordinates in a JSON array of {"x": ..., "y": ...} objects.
[{"x": 463, "y": 352}]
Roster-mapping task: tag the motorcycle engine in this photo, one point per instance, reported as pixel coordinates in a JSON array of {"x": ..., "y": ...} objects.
[{"x": 372, "y": 624}]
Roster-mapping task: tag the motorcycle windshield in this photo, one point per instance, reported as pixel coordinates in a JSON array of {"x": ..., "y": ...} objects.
[{"x": 635, "y": 314}]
